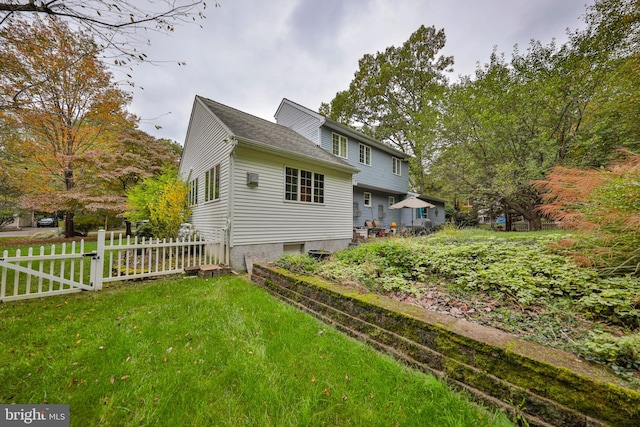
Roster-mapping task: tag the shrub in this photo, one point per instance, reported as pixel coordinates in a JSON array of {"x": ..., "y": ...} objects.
[
  {"x": 616, "y": 300},
  {"x": 298, "y": 263},
  {"x": 603, "y": 204},
  {"x": 163, "y": 200},
  {"x": 145, "y": 230},
  {"x": 520, "y": 267},
  {"x": 620, "y": 352},
  {"x": 87, "y": 221}
]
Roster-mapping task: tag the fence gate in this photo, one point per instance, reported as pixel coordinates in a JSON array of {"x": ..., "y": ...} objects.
[
  {"x": 62, "y": 269},
  {"x": 70, "y": 268}
]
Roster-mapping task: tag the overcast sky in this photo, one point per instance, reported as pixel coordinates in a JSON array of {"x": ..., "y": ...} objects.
[{"x": 252, "y": 53}]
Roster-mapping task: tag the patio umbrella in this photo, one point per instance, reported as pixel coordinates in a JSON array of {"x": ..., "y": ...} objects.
[{"x": 412, "y": 203}]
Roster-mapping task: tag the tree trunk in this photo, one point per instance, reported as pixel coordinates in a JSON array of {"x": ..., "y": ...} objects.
[
  {"x": 69, "y": 229},
  {"x": 529, "y": 213},
  {"x": 507, "y": 217},
  {"x": 535, "y": 223},
  {"x": 127, "y": 224}
]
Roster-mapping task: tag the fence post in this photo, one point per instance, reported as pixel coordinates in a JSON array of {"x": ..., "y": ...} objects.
[{"x": 97, "y": 262}]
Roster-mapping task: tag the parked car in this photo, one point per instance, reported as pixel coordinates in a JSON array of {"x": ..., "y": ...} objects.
[{"x": 47, "y": 222}]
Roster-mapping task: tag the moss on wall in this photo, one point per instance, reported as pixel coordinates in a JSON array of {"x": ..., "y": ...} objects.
[{"x": 544, "y": 385}]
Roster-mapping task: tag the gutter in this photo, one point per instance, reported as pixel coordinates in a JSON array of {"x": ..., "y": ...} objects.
[{"x": 337, "y": 126}]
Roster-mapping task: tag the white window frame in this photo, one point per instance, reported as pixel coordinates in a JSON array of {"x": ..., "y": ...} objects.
[
  {"x": 392, "y": 200},
  {"x": 212, "y": 184},
  {"x": 396, "y": 166},
  {"x": 365, "y": 154},
  {"x": 193, "y": 192},
  {"x": 367, "y": 199},
  {"x": 303, "y": 186},
  {"x": 339, "y": 145}
]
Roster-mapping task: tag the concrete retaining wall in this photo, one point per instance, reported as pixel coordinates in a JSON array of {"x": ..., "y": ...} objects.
[{"x": 543, "y": 385}]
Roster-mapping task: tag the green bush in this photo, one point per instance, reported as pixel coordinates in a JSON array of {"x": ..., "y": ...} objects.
[
  {"x": 88, "y": 221},
  {"x": 616, "y": 300},
  {"x": 619, "y": 352},
  {"x": 519, "y": 267},
  {"x": 145, "y": 230},
  {"x": 298, "y": 263}
]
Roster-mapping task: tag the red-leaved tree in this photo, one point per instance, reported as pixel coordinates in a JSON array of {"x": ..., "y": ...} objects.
[{"x": 605, "y": 205}]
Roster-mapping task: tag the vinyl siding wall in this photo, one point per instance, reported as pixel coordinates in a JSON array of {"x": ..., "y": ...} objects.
[
  {"x": 204, "y": 148},
  {"x": 369, "y": 213},
  {"x": 437, "y": 214},
  {"x": 379, "y": 174},
  {"x": 261, "y": 215},
  {"x": 303, "y": 123}
]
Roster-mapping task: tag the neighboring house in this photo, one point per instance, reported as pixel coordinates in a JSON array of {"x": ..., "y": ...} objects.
[
  {"x": 273, "y": 190},
  {"x": 19, "y": 222},
  {"x": 384, "y": 171}
]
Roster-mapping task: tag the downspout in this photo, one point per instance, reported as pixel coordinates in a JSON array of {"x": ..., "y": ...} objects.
[{"x": 230, "y": 193}]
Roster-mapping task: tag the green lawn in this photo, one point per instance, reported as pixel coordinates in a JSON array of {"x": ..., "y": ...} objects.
[{"x": 208, "y": 352}]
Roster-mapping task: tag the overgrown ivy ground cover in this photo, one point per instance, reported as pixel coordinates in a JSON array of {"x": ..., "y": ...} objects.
[{"x": 518, "y": 282}]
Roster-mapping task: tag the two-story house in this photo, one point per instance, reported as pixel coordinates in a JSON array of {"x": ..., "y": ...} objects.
[
  {"x": 300, "y": 184},
  {"x": 384, "y": 171},
  {"x": 268, "y": 188}
]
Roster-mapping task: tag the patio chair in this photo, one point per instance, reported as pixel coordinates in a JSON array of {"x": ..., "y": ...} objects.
[
  {"x": 373, "y": 228},
  {"x": 421, "y": 226}
]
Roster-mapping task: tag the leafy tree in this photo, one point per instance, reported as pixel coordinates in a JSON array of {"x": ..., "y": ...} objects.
[
  {"x": 611, "y": 42},
  {"x": 163, "y": 200},
  {"x": 64, "y": 105},
  {"x": 506, "y": 127},
  {"x": 396, "y": 96},
  {"x": 117, "y": 24},
  {"x": 8, "y": 201},
  {"x": 605, "y": 203},
  {"x": 11, "y": 188},
  {"x": 130, "y": 157},
  {"x": 550, "y": 106}
]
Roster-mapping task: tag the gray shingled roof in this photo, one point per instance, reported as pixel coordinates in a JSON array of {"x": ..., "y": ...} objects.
[{"x": 252, "y": 128}]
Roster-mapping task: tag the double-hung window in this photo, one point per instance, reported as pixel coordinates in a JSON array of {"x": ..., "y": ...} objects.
[
  {"x": 367, "y": 199},
  {"x": 212, "y": 184},
  {"x": 339, "y": 145},
  {"x": 193, "y": 192},
  {"x": 365, "y": 154},
  {"x": 397, "y": 166},
  {"x": 303, "y": 186}
]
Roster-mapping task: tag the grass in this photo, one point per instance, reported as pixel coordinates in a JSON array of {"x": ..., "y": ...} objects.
[{"x": 209, "y": 352}]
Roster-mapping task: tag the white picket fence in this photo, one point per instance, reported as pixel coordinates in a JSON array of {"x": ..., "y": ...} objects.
[{"x": 69, "y": 267}]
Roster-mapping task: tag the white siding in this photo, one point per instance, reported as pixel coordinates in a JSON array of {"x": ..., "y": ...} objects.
[
  {"x": 204, "y": 148},
  {"x": 261, "y": 215},
  {"x": 302, "y": 122}
]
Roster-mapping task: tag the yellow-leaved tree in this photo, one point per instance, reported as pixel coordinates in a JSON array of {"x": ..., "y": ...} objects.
[{"x": 163, "y": 200}]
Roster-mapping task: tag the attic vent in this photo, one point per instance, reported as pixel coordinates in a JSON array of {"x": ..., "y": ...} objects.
[{"x": 252, "y": 179}]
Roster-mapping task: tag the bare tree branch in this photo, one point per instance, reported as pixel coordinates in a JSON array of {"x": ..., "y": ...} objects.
[{"x": 117, "y": 24}]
